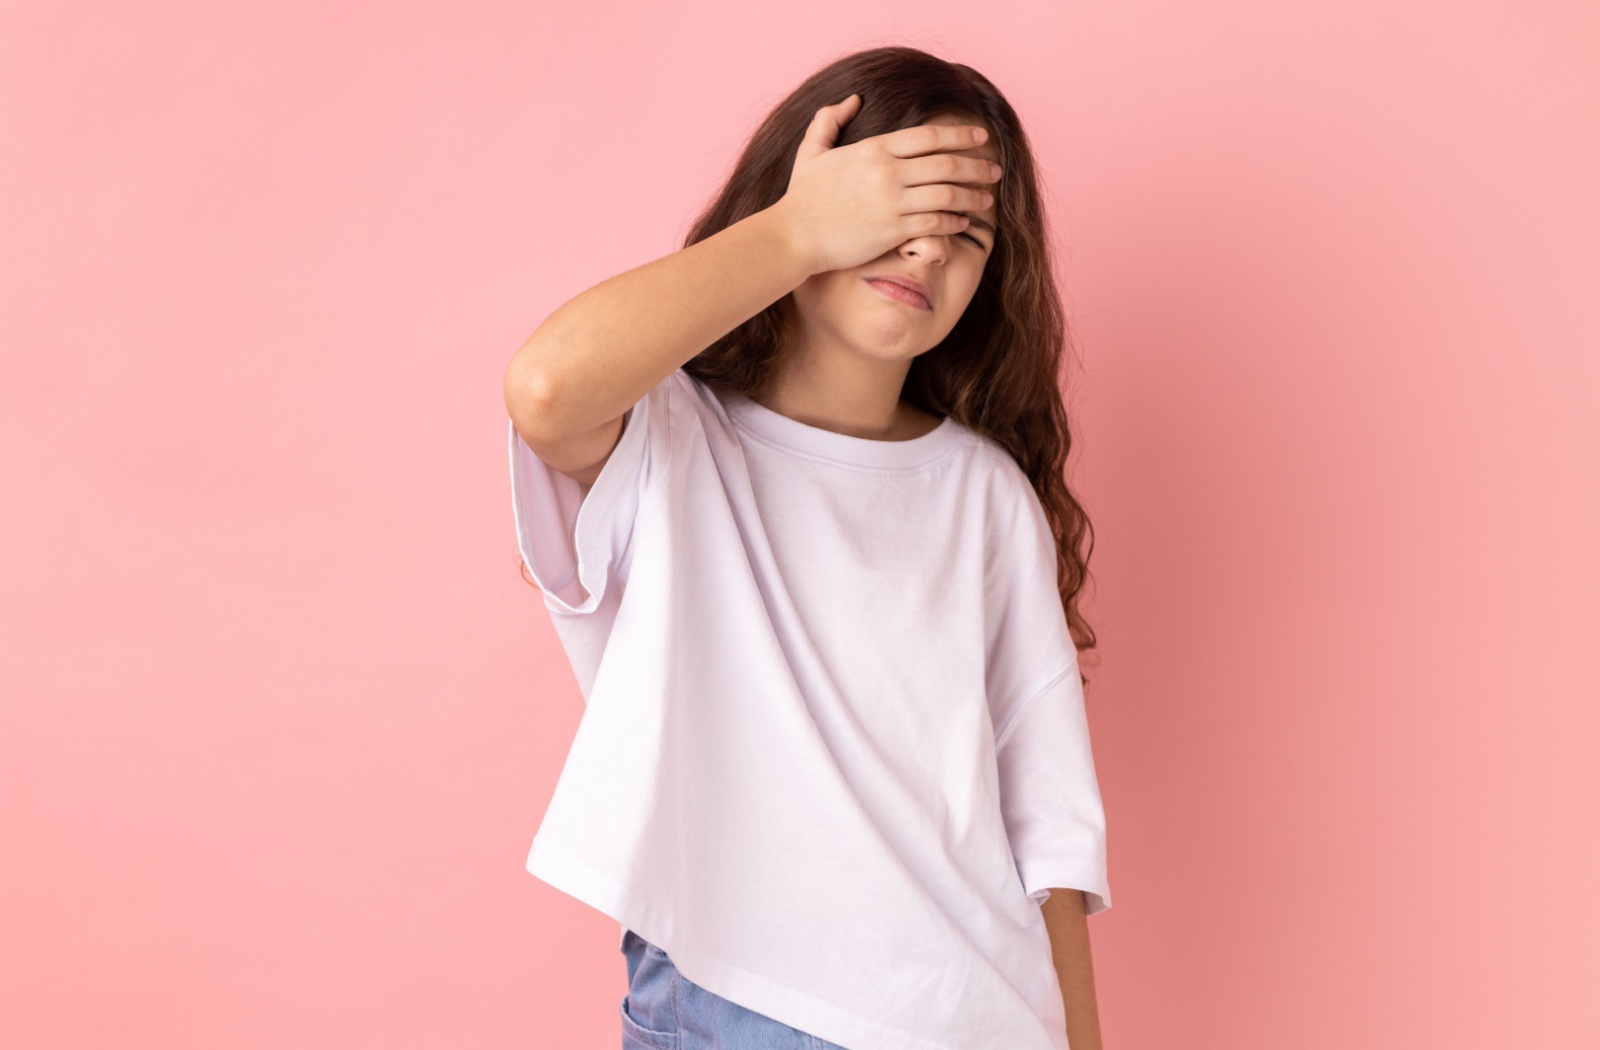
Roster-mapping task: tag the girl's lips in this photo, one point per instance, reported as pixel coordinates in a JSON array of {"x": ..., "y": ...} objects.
[{"x": 899, "y": 292}]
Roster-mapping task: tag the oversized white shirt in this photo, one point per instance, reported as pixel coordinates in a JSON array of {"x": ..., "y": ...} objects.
[{"x": 834, "y": 750}]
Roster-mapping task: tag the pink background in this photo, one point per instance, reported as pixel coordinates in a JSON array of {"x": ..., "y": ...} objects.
[{"x": 281, "y": 717}]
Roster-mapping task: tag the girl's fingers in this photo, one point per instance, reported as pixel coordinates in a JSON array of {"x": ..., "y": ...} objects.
[
  {"x": 933, "y": 223},
  {"x": 943, "y": 197},
  {"x": 933, "y": 138},
  {"x": 947, "y": 167}
]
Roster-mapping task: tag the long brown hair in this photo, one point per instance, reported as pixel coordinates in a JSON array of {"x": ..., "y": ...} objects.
[{"x": 998, "y": 371}]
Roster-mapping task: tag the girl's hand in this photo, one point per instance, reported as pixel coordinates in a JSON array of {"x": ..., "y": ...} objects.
[{"x": 848, "y": 205}]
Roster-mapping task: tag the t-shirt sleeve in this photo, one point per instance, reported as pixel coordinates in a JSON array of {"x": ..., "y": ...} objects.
[
  {"x": 574, "y": 541},
  {"x": 1049, "y": 796}
]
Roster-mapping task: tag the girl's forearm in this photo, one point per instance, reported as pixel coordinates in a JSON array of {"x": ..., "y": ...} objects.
[
  {"x": 604, "y": 349},
  {"x": 1064, "y": 917}
]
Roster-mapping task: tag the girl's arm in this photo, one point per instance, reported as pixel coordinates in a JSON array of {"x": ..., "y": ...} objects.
[
  {"x": 1069, "y": 946},
  {"x": 596, "y": 356}
]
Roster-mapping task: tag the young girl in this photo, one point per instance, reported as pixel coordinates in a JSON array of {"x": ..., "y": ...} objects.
[{"x": 794, "y": 496}]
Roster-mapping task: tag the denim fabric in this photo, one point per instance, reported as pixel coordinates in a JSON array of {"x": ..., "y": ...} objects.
[{"x": 664, "y": 1010}]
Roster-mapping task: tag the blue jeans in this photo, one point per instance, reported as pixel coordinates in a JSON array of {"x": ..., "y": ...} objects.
[{"x": 664, "y": 1010}]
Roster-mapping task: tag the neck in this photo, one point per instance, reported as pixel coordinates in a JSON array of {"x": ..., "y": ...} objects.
[{"x": 848, "y": 395}]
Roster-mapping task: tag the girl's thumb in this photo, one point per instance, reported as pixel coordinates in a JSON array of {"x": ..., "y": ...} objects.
[{"x": 825, "y": 126}]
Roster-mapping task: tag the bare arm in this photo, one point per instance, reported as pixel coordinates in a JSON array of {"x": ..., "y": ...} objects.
[
  {"x": 589, "y": 362},
  {"x": 1069, "y": 946}
]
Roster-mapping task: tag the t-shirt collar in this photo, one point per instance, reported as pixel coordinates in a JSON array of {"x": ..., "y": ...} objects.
[{"x": 796, "y": 436}]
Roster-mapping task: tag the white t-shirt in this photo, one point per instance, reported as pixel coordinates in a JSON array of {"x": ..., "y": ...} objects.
[{"x": 834, "y": 749}]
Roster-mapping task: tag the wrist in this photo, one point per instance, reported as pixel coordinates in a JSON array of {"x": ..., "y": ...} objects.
[{"x": 788, "y": 240}]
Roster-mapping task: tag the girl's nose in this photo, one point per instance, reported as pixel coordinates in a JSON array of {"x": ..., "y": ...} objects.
[{"x": 931, "y": 247}]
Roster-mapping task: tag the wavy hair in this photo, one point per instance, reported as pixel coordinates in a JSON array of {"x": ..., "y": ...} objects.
[{"x": 998, "y": 370}]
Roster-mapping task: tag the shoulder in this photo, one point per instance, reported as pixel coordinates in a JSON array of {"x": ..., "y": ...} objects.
[
  {"x": 688, "y": 395},
  {"x": 1017, "y": 528},
  {"x": 678, "y": 400},
  {"x": 1008, "y": 484},
  {"x": 686, "y": 418}
]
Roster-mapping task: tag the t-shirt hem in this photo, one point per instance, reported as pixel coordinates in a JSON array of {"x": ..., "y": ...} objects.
[{"x": 576, "y": 878}]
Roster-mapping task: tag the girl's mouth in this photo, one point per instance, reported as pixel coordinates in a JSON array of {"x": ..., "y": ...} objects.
[{"x": 899, "y": 293}]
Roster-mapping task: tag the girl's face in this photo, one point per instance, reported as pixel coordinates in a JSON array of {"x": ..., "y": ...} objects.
[{"x": 856, "y": 308}]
